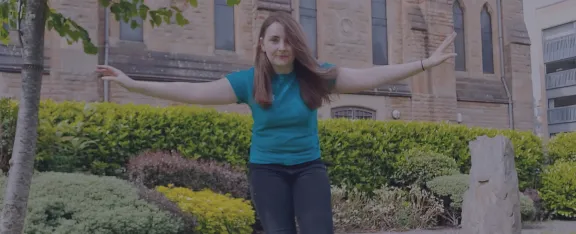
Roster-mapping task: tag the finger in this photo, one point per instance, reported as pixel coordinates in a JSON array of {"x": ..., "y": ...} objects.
[
  {"x": 106, "y": 73},
  {"x": 107, "y": 68},
  {"x": 451, "y": 55},
  {"x": 108, "y": 78},
  {"x": 447, "y": 41}
]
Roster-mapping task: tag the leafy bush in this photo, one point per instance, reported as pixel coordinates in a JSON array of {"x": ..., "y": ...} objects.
[
  {"x": 562, "y": 147},
  {"x": 418, "y": 166},
  {"x": 362, "y": 152},
  {"x": 450, "y": 189},
  {"x": 156, "y": 198},
  {"x": 76, "y": 203},
  {"x": 8, "y": 118},
  {"x": 155, "y": 168},
  {"x": 389, "y": 209},
  {"x": 527, "y": 208},
  {"x": 558, "y": 189},
  {"x": 216, "y": 213}
]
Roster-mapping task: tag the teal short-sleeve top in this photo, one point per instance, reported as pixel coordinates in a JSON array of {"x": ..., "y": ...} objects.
[{"x": 287, "y": 132}]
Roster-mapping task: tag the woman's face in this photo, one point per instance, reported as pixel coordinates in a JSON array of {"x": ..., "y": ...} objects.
[{"x": 277, "y": 49}]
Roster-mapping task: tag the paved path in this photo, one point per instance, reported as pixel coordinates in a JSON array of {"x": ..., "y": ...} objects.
[{"x": 552, "y": 227}]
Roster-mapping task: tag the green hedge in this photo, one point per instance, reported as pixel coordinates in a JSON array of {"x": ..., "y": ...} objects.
[
  {"x": 559, "y": 187},
  {"x": 100, "y": 137},
  {"x": 562, "y": 147}
]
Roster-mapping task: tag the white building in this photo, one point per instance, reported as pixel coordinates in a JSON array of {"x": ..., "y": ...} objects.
[{"x": 551, "y": 26}]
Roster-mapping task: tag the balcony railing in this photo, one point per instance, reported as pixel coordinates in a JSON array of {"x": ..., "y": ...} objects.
[
  {"x": 560, "y": 48},
  {"x": 559, "y": 115},
  {"x": 561, "y": 79}
]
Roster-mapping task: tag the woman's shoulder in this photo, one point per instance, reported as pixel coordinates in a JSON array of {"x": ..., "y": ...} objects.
[
  {"x": 245, "y": 73},
  {"x": 327, "y": 65}
]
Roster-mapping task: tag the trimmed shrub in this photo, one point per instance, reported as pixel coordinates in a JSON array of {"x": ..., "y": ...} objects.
[
  {"x": 450, "y": 189},
  {"x": 562, "y": 147},
  {"x": 558, "y": 189},
  {"x": 76, "y": 203},
  {"x": 216, "y": 213},
  {"x": 362, "y": 152},
  {"x": 527, "y": 208},
  {"x": 154, "y": 197},
  {"x": 388, "y": 209},
  {"x": 418, "y": 166},
  {"x": 154, "y": 168}
]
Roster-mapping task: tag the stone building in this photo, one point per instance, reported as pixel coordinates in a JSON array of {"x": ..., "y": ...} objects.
[{"x": 475, "y": 89}]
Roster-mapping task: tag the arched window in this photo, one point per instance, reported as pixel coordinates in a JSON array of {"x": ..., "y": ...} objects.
[
  {"x": 459, "y": 42},
  {"x": 487, "y": 45},
  {"x": 353, "y": 112}
]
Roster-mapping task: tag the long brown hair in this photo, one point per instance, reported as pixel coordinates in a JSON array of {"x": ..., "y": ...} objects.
[{"x": 315, "y": 81}]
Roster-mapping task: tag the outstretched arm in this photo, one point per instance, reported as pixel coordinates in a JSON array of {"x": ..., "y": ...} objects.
[
  {"x": 352, "y": 80},
  {"x": 218, "y": 92}
]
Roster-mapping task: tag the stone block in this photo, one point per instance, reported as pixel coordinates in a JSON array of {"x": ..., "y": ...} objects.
[{"x": 492, "y": 202}]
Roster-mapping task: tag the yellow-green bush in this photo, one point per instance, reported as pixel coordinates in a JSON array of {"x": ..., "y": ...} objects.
[
  {"x": 559, "y": 187},
  {"x": 562, "y": 147},
  {"x": 215, "y": 213},
  {"x": 100, "y": 138}
]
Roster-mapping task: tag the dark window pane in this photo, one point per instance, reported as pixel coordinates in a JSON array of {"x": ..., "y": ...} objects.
[
  {"x": 224, "y": 26},
  {"x": 128, "y": 33},
  {"x": 308, "y": 21},
  {"x": 379, "y": 33},
  {"x": 487, "y": 45},
  {"x": 459, "y": 41}
]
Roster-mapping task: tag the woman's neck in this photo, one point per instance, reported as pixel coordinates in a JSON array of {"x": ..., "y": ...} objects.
[{"x": 282, "y": 70}]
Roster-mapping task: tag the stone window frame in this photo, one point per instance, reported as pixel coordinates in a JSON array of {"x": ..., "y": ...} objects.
[
  {"x": 353, "y": 112},
  {"x": 474, "y": 84},
  {"x": 379, "y": 21}
]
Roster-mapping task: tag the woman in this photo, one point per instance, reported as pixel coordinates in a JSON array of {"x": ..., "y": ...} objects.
[{"x": 284, "y": 89}]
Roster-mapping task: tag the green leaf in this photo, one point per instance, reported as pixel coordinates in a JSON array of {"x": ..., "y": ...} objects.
[
  {"x": 143, "y": 11},
  {"x": 193, "y": 3},
  {"x": 133, "y": 24},
  {"x": 180, "y": 20},
  {"x": 232, "y": 2},
  {"x": 105, "y": 3}
]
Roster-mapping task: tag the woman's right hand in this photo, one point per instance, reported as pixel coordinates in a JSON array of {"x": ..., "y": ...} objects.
[{"x": 113, "y": 74}]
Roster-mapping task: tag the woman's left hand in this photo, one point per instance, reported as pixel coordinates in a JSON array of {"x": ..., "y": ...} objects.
[{"x": 439, "y": 56}]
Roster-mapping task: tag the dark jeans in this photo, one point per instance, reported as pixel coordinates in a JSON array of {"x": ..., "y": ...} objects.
[{"x": 281, "y": 193}]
